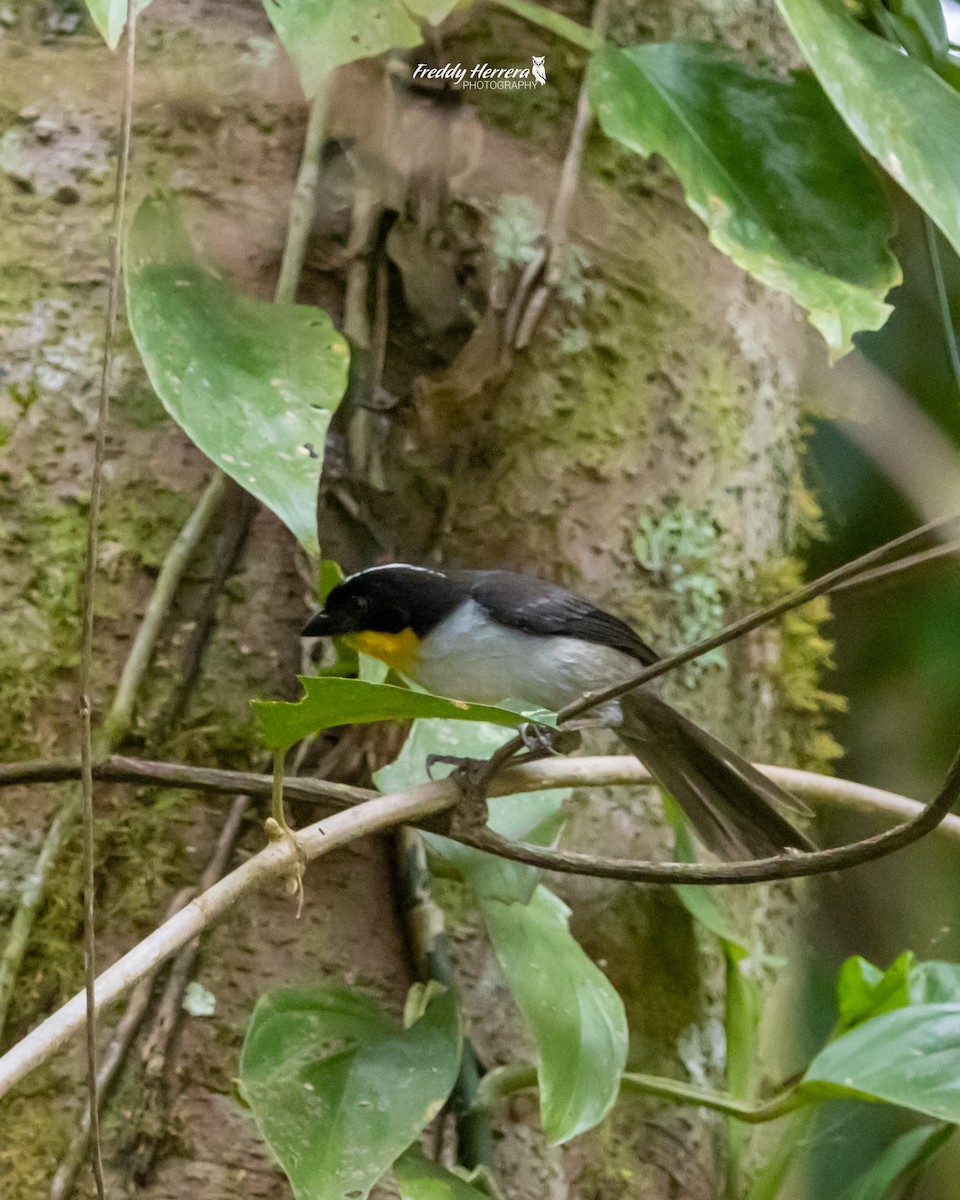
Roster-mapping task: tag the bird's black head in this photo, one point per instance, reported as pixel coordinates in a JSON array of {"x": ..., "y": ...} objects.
[{"x": 387, "y": 600}]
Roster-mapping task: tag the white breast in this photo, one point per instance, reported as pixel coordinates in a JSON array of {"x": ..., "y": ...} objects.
[{"x": 470, "y": 657}]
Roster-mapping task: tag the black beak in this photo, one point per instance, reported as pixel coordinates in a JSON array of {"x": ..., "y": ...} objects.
[{"x": 320, "y": 625}]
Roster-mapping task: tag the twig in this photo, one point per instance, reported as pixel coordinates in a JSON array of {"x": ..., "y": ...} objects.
[
  {"x": 165, "y": 1021},
  {"x": 18, "y": 936},
  {"x": 241, "y": 508},
  {"x": 567, "y": 187},
  {"x": 117, "y": 722},
  {"x": 113, "y": 1057},
  {"x": 89, "y": 581},
  {"x": 908, "y": 563},
  {"x": 301, "y": 205}
]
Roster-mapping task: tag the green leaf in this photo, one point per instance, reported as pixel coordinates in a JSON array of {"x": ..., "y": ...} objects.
[
  {"x": 322, "y": 34},
  {"x": 420, "y": 1179},
  {"x": 934, "y": 983},
  {"x": 254, "y": 385},
  {"x": 535, "y": 817},
  {"x": 899, "y": 109},
  {"x": 768, "y": 166},
  {"x": 330, "y": 701},
  {"x": 571, "y": 1009},
  {"x": 864, "y": 991},
  {"x": 910, "y": 1057},
  {"x": 921, "y": 28},
  {"x": 110, "y": 17},
  {"x": 338, "y": 1090},
  {"x": 898, "y": 1162}
]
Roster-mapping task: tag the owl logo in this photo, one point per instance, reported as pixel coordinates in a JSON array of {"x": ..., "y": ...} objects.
[{"x": 539, "y": 70}]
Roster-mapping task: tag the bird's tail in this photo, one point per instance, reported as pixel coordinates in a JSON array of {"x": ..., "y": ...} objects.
[{"x": 731, "y": 805}]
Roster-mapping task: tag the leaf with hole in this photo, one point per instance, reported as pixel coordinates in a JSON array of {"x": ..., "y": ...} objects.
[
  {"x": 322, "y": 34},
  {"x": 905, "y": 115},
  {"x": 329, "y": 701},
  {"x": 252, "y": 384},
  {"x": 338, "y": 1089},
  {"x": 767, "y": 164}
]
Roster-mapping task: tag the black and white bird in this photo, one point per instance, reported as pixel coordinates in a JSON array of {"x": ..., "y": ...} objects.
[{"x": 488, "y": 636}]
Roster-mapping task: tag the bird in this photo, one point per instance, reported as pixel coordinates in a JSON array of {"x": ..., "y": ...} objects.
[{"x": 486, "y": 636}]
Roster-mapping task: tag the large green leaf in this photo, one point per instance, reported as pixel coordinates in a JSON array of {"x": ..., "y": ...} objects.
[
  {"x": 330, "y": 701},
  {"x": 421, "y": 1179},
  {"x": 910, "y": 1056},
  {"x": 898, "y": 1163},
  {"x": 110, "y": 17},
  {"x": 535, "y": 817},
  {"x": 898, "y": 108},
  {"x": 322, "y": 34},
  {"x": 338, "y": 1090},
  {"x": 254, "y": 385},
  {"x": 571, "y": 1009},
  {"x": 768, "y": 166}
]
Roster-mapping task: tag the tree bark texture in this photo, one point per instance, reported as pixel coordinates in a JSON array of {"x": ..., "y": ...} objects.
[{"x": 644, "y": 448}]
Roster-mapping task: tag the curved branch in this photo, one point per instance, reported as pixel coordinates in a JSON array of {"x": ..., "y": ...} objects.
[
  {"x": 588, "y": 771},
  {"x": 411, "y": 808}
]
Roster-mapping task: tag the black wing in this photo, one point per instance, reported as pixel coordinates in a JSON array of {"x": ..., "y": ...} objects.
[{"x": 536, "y": 607}]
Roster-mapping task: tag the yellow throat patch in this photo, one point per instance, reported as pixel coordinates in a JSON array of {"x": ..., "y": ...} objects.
[{"x": 397, "y": 650}]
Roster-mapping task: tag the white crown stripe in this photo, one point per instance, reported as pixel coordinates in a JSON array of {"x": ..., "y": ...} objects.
[{"x": 393, "y": 567}]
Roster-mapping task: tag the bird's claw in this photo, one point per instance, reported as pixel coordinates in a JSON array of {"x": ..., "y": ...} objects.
[
  {"x": 454, "y": 760},
  {"x": 542, "y": 740}
]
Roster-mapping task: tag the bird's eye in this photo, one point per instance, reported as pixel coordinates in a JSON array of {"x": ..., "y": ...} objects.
[{"x": 362, "y": 603}]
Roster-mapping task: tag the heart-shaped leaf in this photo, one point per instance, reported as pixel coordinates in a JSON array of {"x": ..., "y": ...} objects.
[
  {"x": 898, "y": 108},
  {"x": 330, "y": 701},
  {"x": 322, "y": 34},
  {"x": 338, "y": 1089},
  {"x": 767, "y": 164},
  {"x": 254, "y": 385}
]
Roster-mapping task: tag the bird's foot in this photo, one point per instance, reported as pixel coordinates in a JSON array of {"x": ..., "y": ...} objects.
[
  {"x": 472, "y": 776},
  {"x": 542, "y": 741}
]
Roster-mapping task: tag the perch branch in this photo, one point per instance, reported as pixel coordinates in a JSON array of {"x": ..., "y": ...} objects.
[{"x": 413, "y": 807}]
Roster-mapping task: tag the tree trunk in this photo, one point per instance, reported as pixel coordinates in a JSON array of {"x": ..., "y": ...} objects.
[{"x": 654, "y": 421}]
